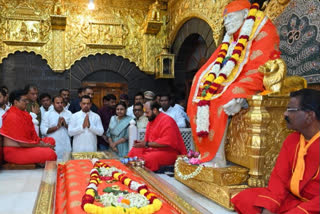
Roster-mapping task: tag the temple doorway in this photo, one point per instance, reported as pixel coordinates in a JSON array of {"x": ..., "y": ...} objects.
[
  {"x": 102, "y": 89},
  {"x": 193, "y": 45}
]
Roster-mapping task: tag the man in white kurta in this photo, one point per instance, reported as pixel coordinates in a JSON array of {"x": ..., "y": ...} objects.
[
  {"x": 55, "y": 124},
  {"x": 174, "y": 113},
  {"x": 84, "y": 126}
]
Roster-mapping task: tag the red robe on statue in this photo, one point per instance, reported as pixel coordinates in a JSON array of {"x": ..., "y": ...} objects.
[
  {"x": 278, "y": 197},
  {"x": 162, "y": 130},
  {"x": 18, "y": 126},
  {"x": 248, "y": 81}
]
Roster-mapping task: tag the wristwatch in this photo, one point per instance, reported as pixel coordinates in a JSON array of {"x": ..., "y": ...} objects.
[{"x": 147, "y": 144}]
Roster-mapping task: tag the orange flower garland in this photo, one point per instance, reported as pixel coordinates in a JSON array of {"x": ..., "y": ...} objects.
[
  {"x": 91, "y": 192},
  {"x": 221, "y": 69}
]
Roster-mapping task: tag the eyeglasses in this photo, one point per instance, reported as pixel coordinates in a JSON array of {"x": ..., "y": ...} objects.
[{"x": 293, "y": 109}]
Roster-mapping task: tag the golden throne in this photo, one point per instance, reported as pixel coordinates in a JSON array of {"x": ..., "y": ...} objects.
[{"x": 254, "y": 139}]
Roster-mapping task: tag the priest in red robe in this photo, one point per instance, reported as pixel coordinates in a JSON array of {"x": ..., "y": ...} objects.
[
  {"x": 294, "y": 182},
  {"x": 21, "y": 142},
  {"x": 163, "y": 141}
]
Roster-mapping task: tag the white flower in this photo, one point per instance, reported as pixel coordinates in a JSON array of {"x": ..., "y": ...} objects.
[
  {"x": 93, "y": 186},
  {"x": 202, "y": 118},
  {"x": 94, "y": 160},
  {"x": 108, "y": 171},
  {"x": 135, "y": 185},
  {"x": 136, "y": 200},
  {"x": 189, "y": 176}
]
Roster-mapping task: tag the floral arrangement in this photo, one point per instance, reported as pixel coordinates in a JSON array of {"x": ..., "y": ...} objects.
[
  {"x": 227, "y": 59},
  {"x": 121, "y": 201},
  {"x": 191, "y": 158}
]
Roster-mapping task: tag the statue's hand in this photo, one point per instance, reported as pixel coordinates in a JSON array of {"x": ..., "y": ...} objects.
[{"x": 233, "y": 106}]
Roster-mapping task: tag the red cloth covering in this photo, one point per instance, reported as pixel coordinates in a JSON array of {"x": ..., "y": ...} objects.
[
  {"x": 18, "y": 126},
  {"x": 249, "y": 82},
  {"x": 162, "y": 130},
  {"x": 73, "y": 179},
  {"x": 23, "y": 155},
  {"x": 277, "y": 197}
]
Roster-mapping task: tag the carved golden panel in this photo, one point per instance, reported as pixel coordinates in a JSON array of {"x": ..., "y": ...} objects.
[
  {"x": 219, "y": 194},
  {"x": 255, "y": 136},
  {"x": 227, "y": 176}
]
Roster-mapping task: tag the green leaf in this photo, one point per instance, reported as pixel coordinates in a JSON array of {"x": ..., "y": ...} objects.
[
  {"x": 108, "y": 189},
  {"x": 112, "y": 204}
]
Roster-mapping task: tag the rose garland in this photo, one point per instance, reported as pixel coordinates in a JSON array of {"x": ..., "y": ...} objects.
[
  {"x": 189, "y": 176},
  {"x": 221, "y": 68},
  {"x": 91, "y": 192}
]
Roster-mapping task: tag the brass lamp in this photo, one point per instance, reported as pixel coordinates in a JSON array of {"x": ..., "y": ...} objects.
[{"x": 164, "y": 67}]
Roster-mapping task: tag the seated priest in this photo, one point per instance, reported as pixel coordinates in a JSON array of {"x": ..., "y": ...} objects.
[
  {"x": 294, "y": 182},
  {"x": 223, "y": 83},
  {"x": 21, "y": 142},
  {"x": 163, "y": 141}
]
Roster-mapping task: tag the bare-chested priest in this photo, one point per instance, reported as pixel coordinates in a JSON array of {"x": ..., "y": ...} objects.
[{"x": 21, "y": 142}]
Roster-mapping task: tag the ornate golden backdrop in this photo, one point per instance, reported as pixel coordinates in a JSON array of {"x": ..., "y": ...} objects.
[{"x": 63, "y": 31}]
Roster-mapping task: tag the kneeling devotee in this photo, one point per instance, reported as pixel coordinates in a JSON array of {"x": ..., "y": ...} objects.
[
  {"x": 294, "y": 182},
  {"x": 84, "y": 126},
  {"x": 163, "y": 141},
  {"x": 21, "y": 142},
  {"x": 55, "y": 124}
]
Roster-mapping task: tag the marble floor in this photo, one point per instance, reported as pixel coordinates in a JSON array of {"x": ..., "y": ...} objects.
[{"x": 18, "y": 192}]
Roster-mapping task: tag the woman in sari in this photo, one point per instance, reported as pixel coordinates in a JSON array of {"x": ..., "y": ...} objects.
[{"x": 117, "y": 132}]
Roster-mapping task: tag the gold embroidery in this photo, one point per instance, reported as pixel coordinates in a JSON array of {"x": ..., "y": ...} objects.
[
  {"x": 65, "y": 211},
  {"x": 261, "y": 35},
  {"x": 70, "y": 170},
  {"x": 73, "y": 184},
  {"x": 275, "y": 201},
  {"x": 200, "y": 139},
  {"x": 247, "y": 79},
  {"x": 87, "y": 173},
  {"x": 63, "y": 203},
  {"x": 211, "y": 135},
  {"x": 238, "y": 90},
  {"x": 302, "y": 209},
  {"x": 72, "y": 176},
  {"x": 255, "y": 54},
  {"x": 253, "y": 71},
  {"x": 82, "y": 162},
  {"x": 220, "y": 110},
  {"x": 206, "y": 154},
  {"x": 84, "y": 167},
  {"x": 75, "y": 204},
  {"x": 74, "y": 193}
]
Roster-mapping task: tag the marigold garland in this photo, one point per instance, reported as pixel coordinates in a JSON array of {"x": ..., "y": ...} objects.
[
  {"x": 221, "y": 69},
  {"x": 91, "y": 191}
]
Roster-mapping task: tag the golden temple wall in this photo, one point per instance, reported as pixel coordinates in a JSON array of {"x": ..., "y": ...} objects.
[{"x": 63, "y": 31}]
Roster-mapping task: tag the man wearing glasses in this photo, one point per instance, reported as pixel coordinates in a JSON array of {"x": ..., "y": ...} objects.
[
  {"x": 294, "y": 182},
  {"x": 140, "y": 119}
]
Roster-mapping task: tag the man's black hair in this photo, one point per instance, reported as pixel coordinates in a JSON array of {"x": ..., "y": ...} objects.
[
  {"x": 4, "y": 88},
  {"x": 138, "y": 104},
  {"x": 56, "y": 96},
  {"x": 85, "y": 97},
  {"x": 139, "y": 94},
  {"x": 64, "y": 89},
  {"x": 80, "y": 90},
  {"x": 16, "y": 95},
  {"x": 154, "y": 105},
  {"x": 43, "y": 95},
  {"x": 87, "y": 87},
  {"x": 109, "y": 97},
  {"x": 28, "y": 87},
  {"x": 309, "y": 100},
  {"x": 3, "y": 92}
]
